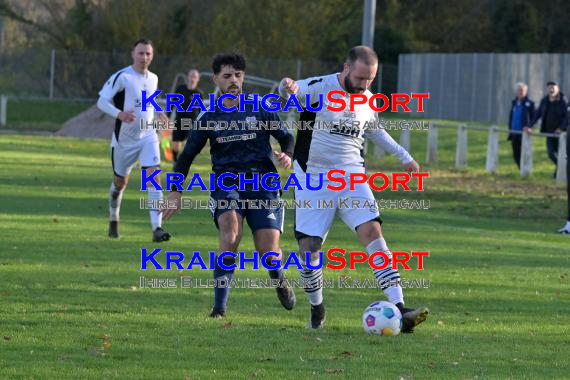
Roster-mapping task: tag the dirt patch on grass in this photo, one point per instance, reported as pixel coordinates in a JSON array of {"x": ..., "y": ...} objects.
[{"x": 91, "y": 123}]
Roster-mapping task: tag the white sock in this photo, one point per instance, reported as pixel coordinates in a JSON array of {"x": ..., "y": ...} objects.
[
  {"x": 115, "y": 198},
  {"x": 155, "y": 215},
  {"x": 315, "y": 278},
  {"x": 567, "y": 225},
  {"x": 393, "y": 292}
]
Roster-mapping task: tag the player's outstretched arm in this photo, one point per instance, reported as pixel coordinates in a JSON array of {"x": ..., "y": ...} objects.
[
  {"x": 288, "y": 86},
  {"x": 383, "y": 139},
  {"x": 283, "y": 159},
  {"x": 106, "y": 106},
  {"x": 412, "y": 167}
]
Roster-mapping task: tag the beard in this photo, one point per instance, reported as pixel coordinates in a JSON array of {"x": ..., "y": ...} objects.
[
  {"x": 350, "y": 88},
  {"x": 233, "y": 88}
]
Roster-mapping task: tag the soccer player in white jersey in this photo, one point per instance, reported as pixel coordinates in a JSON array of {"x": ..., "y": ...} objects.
[
  {"x": 340, "y": 147},
  {"x": 121, "y": 98}
]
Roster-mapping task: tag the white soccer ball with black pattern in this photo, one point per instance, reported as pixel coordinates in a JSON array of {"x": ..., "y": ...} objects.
[{"x": 382, "y": 318}]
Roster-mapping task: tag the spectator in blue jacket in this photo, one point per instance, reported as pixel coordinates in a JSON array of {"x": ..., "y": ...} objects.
[
  {"x": 520, "y": 118},
  {"x": 552, "y": 111}
]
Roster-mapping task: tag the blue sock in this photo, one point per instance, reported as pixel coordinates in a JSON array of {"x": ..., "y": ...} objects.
[{"x": 221, "y": 295}]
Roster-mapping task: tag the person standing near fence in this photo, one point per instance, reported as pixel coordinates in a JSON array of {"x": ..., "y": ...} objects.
[
  {"x": 187, "y": 90},
  {"x": 554, "y": 115},
  {"x": 121, "y": 98},
  {"x": 520, "y": 118}
]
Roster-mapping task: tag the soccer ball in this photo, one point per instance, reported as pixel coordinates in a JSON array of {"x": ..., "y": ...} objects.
[{"x": 382, "y": 318}]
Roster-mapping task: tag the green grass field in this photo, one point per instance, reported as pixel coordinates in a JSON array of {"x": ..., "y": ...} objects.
[
  {"x": 71, "y": 307},
  {"x": 41, "y": 114}
]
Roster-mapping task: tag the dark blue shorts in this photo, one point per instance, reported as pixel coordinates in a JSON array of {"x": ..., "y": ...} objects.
[{"x": 254, "y": 206}]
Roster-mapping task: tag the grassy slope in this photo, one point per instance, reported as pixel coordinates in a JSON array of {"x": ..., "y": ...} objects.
[
  {"x": 70, "y": 307},
  {"x": 42, "y": 115}
]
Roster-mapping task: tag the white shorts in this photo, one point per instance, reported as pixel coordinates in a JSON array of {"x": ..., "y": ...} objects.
[
  {"x": 124, "y": 156},
  {"x": 348, "y": 204}
]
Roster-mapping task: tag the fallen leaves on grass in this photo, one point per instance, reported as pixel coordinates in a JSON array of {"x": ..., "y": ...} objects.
[
  {"x": 106, "y": 342},
  {"x": 227, "y": 325},
  {"x": 7, "y": 337},
  {"x": 343, "y": 355}
]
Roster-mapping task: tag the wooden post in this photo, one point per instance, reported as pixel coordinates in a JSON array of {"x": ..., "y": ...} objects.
[
  {"x": 461, "y": 151},
  {"x": 431, "y": 154},
  {"x": 492, "y": 150},
  {"x": 562, "y": 160},
  {"x": 526, "y": 154},
  {"x": 405, "y": 139}
]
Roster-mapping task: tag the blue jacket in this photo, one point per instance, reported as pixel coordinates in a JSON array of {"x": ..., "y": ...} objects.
[
  {"x": 528, "y": 113},
  {"x": 559, "y": 108}
]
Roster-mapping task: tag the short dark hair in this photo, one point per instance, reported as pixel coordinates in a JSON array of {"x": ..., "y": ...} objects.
[
  {"x": 143, "y": 41},
  {"x": 363, "y": 53},
  {"x": 235, "y": 60}
]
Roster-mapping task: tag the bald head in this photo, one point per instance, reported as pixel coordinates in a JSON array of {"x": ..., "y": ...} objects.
[
  {"x": 359, "y": 70},
  {"x": 362, "y": 53}
]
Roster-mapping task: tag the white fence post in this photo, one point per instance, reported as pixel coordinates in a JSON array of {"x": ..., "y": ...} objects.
[
  {"x": 526, "y": 154},
  {"x": 461, "y": 151},
  {"x": 3, "y": 110},
  {"x": 431, "y": 154},
  {"x": 51, "y": 74},
  {"x": 562, "y": 160},
  {"x": 492, "y": 150},
  {"x": 405, "y": 139},
  {"x": 378, "y": 151}
]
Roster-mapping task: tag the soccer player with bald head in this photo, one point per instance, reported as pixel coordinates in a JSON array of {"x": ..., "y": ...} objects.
[{"x": 341, "y": 147}]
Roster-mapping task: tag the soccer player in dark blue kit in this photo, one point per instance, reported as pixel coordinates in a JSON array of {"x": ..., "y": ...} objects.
[{"x": 246, "y": 149}]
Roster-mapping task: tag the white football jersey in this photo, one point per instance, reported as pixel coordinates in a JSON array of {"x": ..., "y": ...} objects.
[
  {"x": 342, "y": 145},
  {"x": 124, "y": 89}
]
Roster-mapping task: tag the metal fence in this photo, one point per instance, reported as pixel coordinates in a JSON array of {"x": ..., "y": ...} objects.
[
  {"x": 478, "y": 87},
  {"x": 65, "y": 74},
  {"x": 49, "y": 73}
]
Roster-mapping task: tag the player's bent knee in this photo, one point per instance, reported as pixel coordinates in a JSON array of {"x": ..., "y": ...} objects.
[
  {"x": 369, "y": 231},
  {"x": 120, "y": 182},
  {"x": 230, "y": 239},
  {"x": 311, "y": 244},
  {"x": 149, "y": 169}
]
